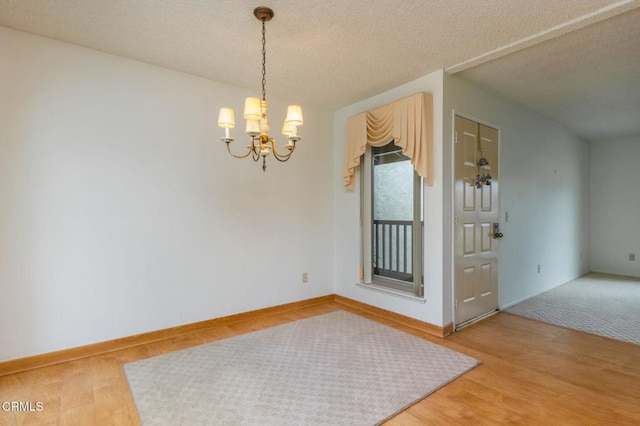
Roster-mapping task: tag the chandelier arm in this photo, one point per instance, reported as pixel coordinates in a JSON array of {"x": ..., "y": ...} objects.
[
  {"x": 252, "y": 150},
  {"x": 255, "y": 149},
  {"x": 239, "y": 156},
  {"x": 279, "y": 156},
  {"x": 282, "y": 158},
  {"x": 274, "y": 150},
  {"x": 255, "y": 155}
]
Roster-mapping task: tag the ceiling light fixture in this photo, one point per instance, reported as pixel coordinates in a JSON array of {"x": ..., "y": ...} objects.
[{"x": 255, "y": 113}]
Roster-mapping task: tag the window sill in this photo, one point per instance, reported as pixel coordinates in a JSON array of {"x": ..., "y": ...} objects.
[{"x": 396, "y": 293}]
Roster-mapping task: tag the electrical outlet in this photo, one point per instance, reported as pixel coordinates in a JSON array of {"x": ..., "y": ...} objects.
[
  {"x": 506, "y": 216},
  {"x": 538, "y": 268},
  {"x": 632, "y": 256},
  {"x": 305, "y": 278}
]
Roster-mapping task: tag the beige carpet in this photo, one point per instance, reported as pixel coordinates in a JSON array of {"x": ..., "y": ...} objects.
[
  {"x": 332, "y": 369},
  {"x": 600, "y": 304}
]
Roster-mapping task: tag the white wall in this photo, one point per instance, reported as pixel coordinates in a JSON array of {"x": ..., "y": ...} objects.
[
  {"x": 615, "y": 206},
  {"x": 122, "y": 213},
  {"x": 544, "y": 186},
  {"x": 347, "y": 213}
]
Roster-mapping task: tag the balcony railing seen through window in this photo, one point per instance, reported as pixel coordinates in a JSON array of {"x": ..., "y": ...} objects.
[{"x": 392, "y": 249}]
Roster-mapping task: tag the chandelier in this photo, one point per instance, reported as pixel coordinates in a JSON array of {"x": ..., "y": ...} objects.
[{"x": 255, "y": 113}]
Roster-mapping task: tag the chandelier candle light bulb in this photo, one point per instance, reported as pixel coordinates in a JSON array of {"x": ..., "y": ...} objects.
[{"x": 255, "y": 114}]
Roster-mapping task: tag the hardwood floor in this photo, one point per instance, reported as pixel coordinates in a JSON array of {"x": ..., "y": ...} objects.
[{"x": 531, "y": 373}]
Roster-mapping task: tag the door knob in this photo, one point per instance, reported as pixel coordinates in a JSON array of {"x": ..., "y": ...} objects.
[{"x": 496, "y": 231}]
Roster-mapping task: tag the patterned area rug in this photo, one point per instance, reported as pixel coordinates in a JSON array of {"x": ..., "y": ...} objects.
[
  {"x": 596, "y": 303},
  {"x": 333, "y": 369}
]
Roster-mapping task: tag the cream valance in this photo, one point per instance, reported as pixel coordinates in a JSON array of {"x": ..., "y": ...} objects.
[{"x": 407, "y": 122}]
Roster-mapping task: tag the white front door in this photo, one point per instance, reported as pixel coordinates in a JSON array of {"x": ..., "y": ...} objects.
[{"x": 475, "y": 220}]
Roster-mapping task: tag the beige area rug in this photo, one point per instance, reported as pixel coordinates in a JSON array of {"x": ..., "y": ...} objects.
[
  {"x": 600, "y": 304},
  {"x": 333, "y": 369}
]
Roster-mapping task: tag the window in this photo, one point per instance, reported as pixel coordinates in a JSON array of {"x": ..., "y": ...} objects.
[
  {"x": 391, "y": 248},
  {"x": 391, "y": 220}
]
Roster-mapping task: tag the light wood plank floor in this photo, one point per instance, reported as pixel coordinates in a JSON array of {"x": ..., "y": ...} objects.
[{"x": 531, "y": 373}]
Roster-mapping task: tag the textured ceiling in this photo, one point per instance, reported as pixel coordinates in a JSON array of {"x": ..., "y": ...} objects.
[
  {"x": 328, "y": 53},
  {"x": 588, "y": 80}
]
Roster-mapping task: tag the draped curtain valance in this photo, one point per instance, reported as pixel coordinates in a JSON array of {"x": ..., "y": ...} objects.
[{"x": 407, "y": 122}]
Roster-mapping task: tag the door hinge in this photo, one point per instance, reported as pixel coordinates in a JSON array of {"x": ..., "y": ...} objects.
[
  {"x": 455, "y": 221},
  {"x": 455, "y": 137},
  {"x": 455, "y": 305}
]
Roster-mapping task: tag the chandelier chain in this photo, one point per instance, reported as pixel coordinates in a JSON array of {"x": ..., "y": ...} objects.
[{"x": 264, "y": 62}]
